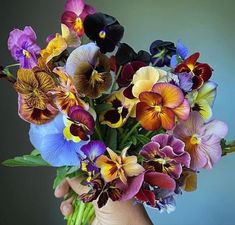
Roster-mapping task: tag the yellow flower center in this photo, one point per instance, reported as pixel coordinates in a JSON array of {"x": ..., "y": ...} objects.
[
  {"x": 102, "y": 34},
  {"x": 78, "y": 25},
  {"x": 158, "y": 108},
  {"x": 191, "y": 67},
  {"x": 26, "y": 54},
  {"x": 95, "y": 77},
  {"x": 195, "y": 140}
]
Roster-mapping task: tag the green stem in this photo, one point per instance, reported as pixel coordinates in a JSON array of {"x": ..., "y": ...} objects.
[
  {"x": 97, "y": 127},
  {"x": 148, "y": 133},
  {"x": 228, "y": 150},
  {"x": 129, "y": 133},
  {"x": 115, "y": 81},
  {"x": 90, "y": 217},
  {"x": 78, "y": 220},
  {"x": 13, "y": 65}
]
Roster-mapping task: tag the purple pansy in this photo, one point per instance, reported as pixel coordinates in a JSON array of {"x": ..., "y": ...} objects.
[
  {"x": 92, "y": 151},
  {"x": 165, "y": 154},
  {"x": 181, "y": 54},
  {"x": 202, "y": 140},
  {"x": 23, "y": 47}
]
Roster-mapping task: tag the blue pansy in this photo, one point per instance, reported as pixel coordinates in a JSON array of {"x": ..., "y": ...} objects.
[
  {"x": 181, "y": 54},
  {"x": 50, "y": 140}
]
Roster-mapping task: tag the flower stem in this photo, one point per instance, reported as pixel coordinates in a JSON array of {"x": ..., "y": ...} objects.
[
  {"x": 228, "y": 150},
  {"x": 13, "y": 65},
  {"x": 78, "y": 220},
  {"x": 129, "y": 133},
  {"x": 115, "y": 81}
]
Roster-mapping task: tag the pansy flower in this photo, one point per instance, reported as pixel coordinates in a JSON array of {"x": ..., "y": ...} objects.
[
  {"x": 90, "y": 69},
  {"x": 68, "y": 35},
  {"x": 101, "y": 192},
  {"x": 74, "y": 14},
  {"x": 23, "y": 47},
  {"x": 125, "y": 54},
  {"x": 161, "y": 106},
  {"x": 79, "y": 124},
  {"x": 153, "y": 180},
  {"x": 55, "y": 144},
  {"x": 119, "y": 111},
  {"x": 161, "y": 52},
  {"x": 92, "y": 151},
  {"x": 181, "y": 54},
  {"x": 105, "y": 30},
  {"x": 202, "y": 140},
  {"x": 65, "y": 93},
  {"x": 165, "y": 154},
  {"x": 201, "y": 71},
  {"x": 202, "y": 100},
  {"x": 35, "y": 101},
  {"x": 118, "y": 167},
  {"x": 54, "y": 48}
]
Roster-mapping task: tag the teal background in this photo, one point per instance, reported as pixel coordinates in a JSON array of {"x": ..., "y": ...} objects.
[{"x": 205, "y": 26}]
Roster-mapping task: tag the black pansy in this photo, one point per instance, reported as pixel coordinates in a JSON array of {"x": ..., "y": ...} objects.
[
  {"x": 161, "y": 52},
  {"x": 126, "y": 54},
  {"x": 105, "y": 30}
]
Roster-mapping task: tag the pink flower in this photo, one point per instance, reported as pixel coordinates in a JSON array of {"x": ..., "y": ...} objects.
[
  {"x": 74, "y": 14},
  {"x": 202, "y": 140}
]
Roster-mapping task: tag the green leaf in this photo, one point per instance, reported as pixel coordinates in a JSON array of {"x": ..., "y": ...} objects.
[
  {"x": 111, "y": 138},
  {"x": 26, "y": 161},
  {"x": 102, "y": 107},
  {"x": 142, "y": 139}
]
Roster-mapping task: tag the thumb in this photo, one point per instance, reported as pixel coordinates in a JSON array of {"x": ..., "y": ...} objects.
[{"x": 75, "y": 184}]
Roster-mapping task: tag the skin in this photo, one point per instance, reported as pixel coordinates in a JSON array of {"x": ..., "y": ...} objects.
[{"x": 113, "y": 213}]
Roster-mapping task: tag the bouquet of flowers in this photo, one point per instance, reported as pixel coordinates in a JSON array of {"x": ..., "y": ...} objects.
[{"x": 130, "y": 124}]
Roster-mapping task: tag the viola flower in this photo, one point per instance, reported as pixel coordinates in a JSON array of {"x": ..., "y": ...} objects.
[
  {"x": 23, "y": 47},
  {"x": 181, "y": 54},
  {"x": 54, "y": 144},
  {"x": 74, "y": 14},
  {"x": 201, "y": 71},
  {"x": 92, "y": 151},
  {"x": 203, "y": 99},
  {"x": 102, "y": 192},
  {"x": 105, "y": 30},
  {"x": 65, "y": 93},
  {"x": 119, "y": 111},
  {"x": 69, "y": 36},
  {"x": 118, "y": 167},
  {"x": 153, "y": 180},
  {"x": 125, "y": 54},
  {"x": 79, "y": 124},
  {"x": 35, "y": 101},
  {"x": 202, "y": 140},
  {"x": 128, "y": 72},
  {"x": 165, "y": 154},
  {"x": 54, "y": 48},
  {"x": 161, "y": 107},
  {"x": 161, "y": 52},
  {"x": 90, "y": 70}
]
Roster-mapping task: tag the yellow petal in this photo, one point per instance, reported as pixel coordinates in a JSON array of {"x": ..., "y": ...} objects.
[
  {"x": 141, "y": 86},
  {"x": 122, "y": 176},
  {"x": 112, "y": 154},
  {"x": 70, "y": 36}
]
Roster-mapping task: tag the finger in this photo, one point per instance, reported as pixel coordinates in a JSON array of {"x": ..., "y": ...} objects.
[
  {"x": 75, "y": 184},
  {"x": 62, "y": 189},
  {"x": 66, "y": 207}
]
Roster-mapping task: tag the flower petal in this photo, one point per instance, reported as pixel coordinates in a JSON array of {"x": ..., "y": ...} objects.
[
  {"x": 75, "y": 6},
  {"x": 183, "y": 110},
  {"x": 147, "y": 116},
  {"x": 167, "y": 118},
  {"x": 172, "y": 95},
  {"x": 149, "y": 151},
  {"x": 133, "y": 169}
]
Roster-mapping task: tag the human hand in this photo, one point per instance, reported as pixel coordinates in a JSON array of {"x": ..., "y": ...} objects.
[{"x": 113, "y": 213}]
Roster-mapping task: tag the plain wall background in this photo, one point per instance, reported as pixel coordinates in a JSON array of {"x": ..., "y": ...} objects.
[{"x": 206, "y": 26}]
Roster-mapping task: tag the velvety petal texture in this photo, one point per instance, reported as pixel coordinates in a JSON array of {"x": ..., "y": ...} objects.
[
  {"x": 202, "y": 140},
  {"x": 104, "y": 29},
  {"x": 23, "y": 47},
  {"x": 50, "y": 141}
]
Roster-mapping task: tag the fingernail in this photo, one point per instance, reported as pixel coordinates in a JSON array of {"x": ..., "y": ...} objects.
[{"x": 66, "y": 209}]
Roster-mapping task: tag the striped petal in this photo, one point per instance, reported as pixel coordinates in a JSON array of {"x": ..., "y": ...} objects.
[{"x": 167, "y": 117}]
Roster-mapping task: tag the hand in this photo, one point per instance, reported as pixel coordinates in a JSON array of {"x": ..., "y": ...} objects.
[{"x": 113, "y": 213}]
